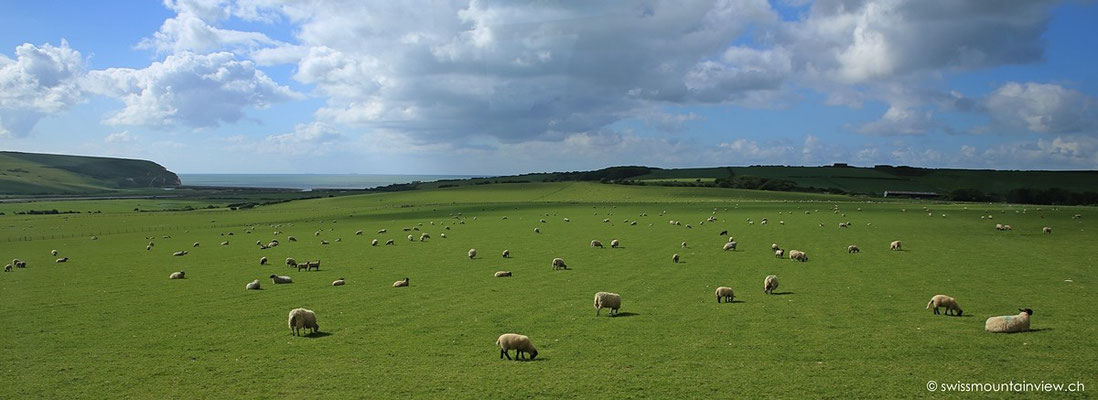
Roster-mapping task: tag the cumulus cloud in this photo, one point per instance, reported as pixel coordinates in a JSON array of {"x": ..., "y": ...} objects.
[
  {"x": 1042, "y": 108},
  {"x": 41, "y": 80},
  {"x": 120, "y": 137},
  {"x": 190, "y": 29},
  {"x": 314, "y": 138},
  {"x": 188, "y": 89},
  {"x": 899, "y": 121}
]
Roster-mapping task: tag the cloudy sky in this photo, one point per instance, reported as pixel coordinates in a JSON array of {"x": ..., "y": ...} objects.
[{"x": 494, "y": 87}]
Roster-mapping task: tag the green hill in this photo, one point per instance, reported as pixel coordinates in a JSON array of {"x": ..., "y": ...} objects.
[{"x": 41, "y": 174}]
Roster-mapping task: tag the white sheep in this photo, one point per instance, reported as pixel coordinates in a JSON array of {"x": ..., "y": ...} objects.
[
  {"x": 853, "y": 249},
  {"x": 506, "y": 253},
  {"x": 730, "y": 246},
  {"x": 684, "y": 245},
  {"x": 195, "y": 244},
  {"x": 177, "y": 275},
  {"x": 401, "y": 283},
  {"x": 339, "y": 282},
  {"x": 62, "y": 259},
  {"x": 558, "y": 263},
  {"x": 1046, "y": 230},
  {"x": 949, "y": 303},
  {"x": 797, "y": 255},
  {"x": 302, "y": 319},
  {"x": 596, "y": 243},
  {"x": 180, "y": 253},
  {"x": 1009, "y": 323},
  {"x": 770, "y": 284},
  {"x": 536, "y": 230},
  {"x": 774, "y": 246},
  {"x": 358, "y": 232},
  {"x": 519, "y": 343},
  {"x": 502, "y": 274},
  {"x": 225, "y": 243},
  {"x": 614, "y": 244},
  {"x": 380, "y": 231},
  {"x": 291, "y": 262},
  {"x": 607, "y": 300},
  {"x": 675, "y": 257},
  {"x": 253, "y": 285},
  {"x": 731, "y": 239},
  {"x": 389, "y": 242},
  {"x": 263, "y": 261},
  {"x": 895, "y": 246},
  {"x": 443, "y": 235},
  {"x": 411, "y": 238},
  {"x": 277, "y": 279},
  {"x": 472, "y": 253},
  {"x": 291, "y": 238},
  {"x": 424, "y": 236},
  {"x": 7, "y": 268},
  {"x": 779, "y": 253},
  {"x": 725, "y": 293},
  {"x": 53, "y": 253}
]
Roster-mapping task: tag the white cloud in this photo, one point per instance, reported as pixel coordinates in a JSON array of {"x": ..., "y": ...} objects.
[
  {"x": 311, "y": 139},
  {"x": 899, "y": 121},
  {"x": 1042, "y": 108},
  {"x": 190, "y": 30},
  {"x": 40, "y": 81},
  {"x": 121, "y": 137},
  {"x": 188, "y": 89}
]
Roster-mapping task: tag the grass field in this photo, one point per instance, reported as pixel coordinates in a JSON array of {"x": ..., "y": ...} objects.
[{"x": 109, "y": 324}]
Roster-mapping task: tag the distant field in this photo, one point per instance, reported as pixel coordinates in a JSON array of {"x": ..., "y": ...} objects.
[{"x": 110, "y": 324}]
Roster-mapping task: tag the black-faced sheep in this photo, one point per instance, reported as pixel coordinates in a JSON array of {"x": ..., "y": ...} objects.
[
  {"x": 942, "y": 300},
  {"x": 519, "y": 343},
  {"x": 1009, "y": 323},
  {"x": 853, "y": 249},
  {"x": 770, "y": 284},
  {"x": 725, "y": 293},
  {"x": 302, "y": 319},
  {"x": 779, "y": 253},
  {"x": 506, "y": 253},
  {"x": 615, "y": 244},
  {"x": 596, "y": 243},
  {"x": 472, "y": 253},
  {"x": 675, "y": 257},
  {"x": 263, "y": 261},
  {"x": 339, "y": 282},
  {"x": 608, "y": 300},
  {"x": 401, "y": 283},
  {"x": 558, "y": 263},
  {"x": 895, "y": 246}
]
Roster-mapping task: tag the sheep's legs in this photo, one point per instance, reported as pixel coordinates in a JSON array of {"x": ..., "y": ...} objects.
[
  {"x": 503, "y": 352},
  {"x": 935, "y": 310}
]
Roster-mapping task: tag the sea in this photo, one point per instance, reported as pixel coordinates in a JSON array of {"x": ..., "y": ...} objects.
[{"x": 308, "y": 181}]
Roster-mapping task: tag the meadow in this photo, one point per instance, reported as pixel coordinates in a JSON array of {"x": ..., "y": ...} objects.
[{"x": 110, "y": 324}]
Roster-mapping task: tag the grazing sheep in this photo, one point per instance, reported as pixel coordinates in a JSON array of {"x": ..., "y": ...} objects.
[
  {"x": 411, "y": 238},
  {"x": 779, "y": 253},
  {"x": 62, "y": 259},
  {"x": 725, "y": 293},
  {"x": 472, "y": 253},
  {"x": 1007, "y": 227},
  {"x": 389, "y": 242},
  {"x": 536, "y": 230},
  {"x": 180, "y": 253},
  {"x": 277, "y": 279},
  {"x": 596, "y": 243},
  {"x": 797, "y": 255},
  {"x": 1009, "y": 323},
  {"x": 253, "y": 285},
  {"x": 730, "y": 246},
  {"x": 506, "y": 253},
  {"x": 558, "y": 263},
  {"x": 895, "y": 246},
  {"x": 53, "y": 253},
  {"x": 290, "y": 262},
  {"x": 177, "y": 275},
  {"x": 195, "y": 244},
  {"x": 607, "y": 300},
  {"x": 424, "y": 236},
  {"x": 443, "y": 235},
  {"x": 723, "y": 233},
  {"x": 302, "y": 319},
  {"x": 998, "y": 227},
  {"x": 7, "y": 268},
  {"x": 401, "y": 283},
  {"x": 844, "y": 225},
  {"x": 634, "y": 223},
  {"x": 675, "y": 257},
  {"x": 853, "y": 249},
  {"x": 949, "y": 303},
  {"x": 770, "y": 284},
  {"x": 380, "y": 231},
  {"x": 260, "y": 244},
  {"x": 18, "y": 263},
  {"x": 313, "y": 265},
  {"x": 1046, "y": 230},
  {"x": 614, "y": 244},
  {"x": 781, "y": 222},
  {"x": 684, "y": 245},
  {"x": 373, "y": 242},
  {"x": 774, "y": 246},
  {"x": 358, "y": 232},
  {"x": 225, "y": 243},
  {"x": 501, "y": 274},
  {"x": 339, "y": 282},
  {"x": 731, "y": 239},
  {"x": 291, "y": 238},
  {"x": 567, "y": 220},
  {"x": 519, "y": 343}
]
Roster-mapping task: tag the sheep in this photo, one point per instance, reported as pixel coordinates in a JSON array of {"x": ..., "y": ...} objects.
[
  {"x": 7, "y": 268},
  {"x": 18, "y": 263},
  {"x": 302, "y": 319},
  {"x": 536, "y": 230},
  {"x": 62, "y": 259},
  {"x": 949, "y": 303},
  {"x": 730, "y": 246},
  {"x": 373, "y": 242},
  {"x": 895, "y": 246},
  {"x": 1046, "y": 230},
  {"x": 634, "y": 223},
  {"x": 291, "y": 238},
  {"x": 725, "y": 293},
  {"x": 411, "y": 238},
  {"x": 312, "y": 265},
  {"x": 358, "y": 232},
  {"x": 675, "y": 258},
  {"x": 843, "y": 225},
  {"x": 260, "y": 244},
  {"x": 519, "y": 343},
  {"x": 506, "y": 253},
  {"x": 502, "y": 274},
  {"x": 180, "y": 253},
  {"x": 998, "y": 227},
  {"x": 731, "y": 239},
  {"x": 558, "y": 263},
  {"x": 290, "y": 262},
  {"x": 277, "y": 279},
  {"x": 401, "y": 283},
  {"x": 389, "y": 242},
  {"x": 339, "y": 282},
  {"x": 567, "y": 220},
  {"x": 614, "y": 244},
  {"x": 443, "y": 235},
  {"x": 770, "y": 284},
  {"x": 380, "y": 231},
  {"x": 596, "y": 243},
  {"x": 781, "y": 222},
  {"x": 1009, "y": 323},
  {"x": 1006, "y": 227},
  {"x": 774, "y": 246},
  {"x": 472, "y": 253},
  {"x": 177, "y": 275},
  {"x": 779, "y": 253},
  {"x": 225, "y": 243},
  {"x": 853, "y": 249},
  {"x": 797, "y": 255},
  {"x": 253, "y": 285},
  {"x": 53, "y": 253},
  {"x": 607, "y": 300},
  {"x": 424, "y": 236},
  {"x": 723, "y": 233},
  {"x": 195, "y": 244}
]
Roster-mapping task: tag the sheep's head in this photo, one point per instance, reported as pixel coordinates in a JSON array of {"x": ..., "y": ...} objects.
[
  {"x": 273, "y": 276},
  {"x": 960, "y": 312},
  {"x": 533, "y": 354},
  {"x": 1026, "y": 310}
]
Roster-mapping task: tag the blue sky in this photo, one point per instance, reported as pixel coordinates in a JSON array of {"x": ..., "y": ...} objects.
[{"x": 497, "y": 87}]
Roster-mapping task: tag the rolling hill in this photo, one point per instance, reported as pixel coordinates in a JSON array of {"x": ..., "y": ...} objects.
[{"x": 40, "y": 174}]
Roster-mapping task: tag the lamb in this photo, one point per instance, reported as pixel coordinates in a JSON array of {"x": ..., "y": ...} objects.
[
  {"x": 1009, "y": 323},
  {"x": 401, "y": 283},
  {"x": 614, "y": 244},
  {"x": 596, "y": 243},
  {"x": 949, "y": 303},
  {"x": 253, "y": 285},
  {"x": 675, "y": 257},
  {"x": 779, "y": 253},
  {"x": 53, "y": 253},
  {"x": 502, "y": 274},
  {"x": 730, "y": 246},
  {"x": 797, "y": 255},
  {"x": 506, "y": 253},
  {"x": 373, "y": 242},
  {"x": 339, "y": 282},
  {"x": 180, "y": 253},
  {"x": 62, "y": 259},
  {"x": 277, "y": 279},
  {"x": 725, "y": 293},
  {"x": 1046, "y": 230},
  {"x": 853, "y": 249},
  {"x": 302, "y": 319},
  {"x": 177, "y": 275},
  {"x": 389, "y": 242},
  {"x": 472, "y": 253},
  {"x": 519, "y": 343},
  {"x": 770, "y": 284},
  {"x": 895, "y": 246},
  {"x": 607, "y": 300},
  {"x": 558, "y": 263}
]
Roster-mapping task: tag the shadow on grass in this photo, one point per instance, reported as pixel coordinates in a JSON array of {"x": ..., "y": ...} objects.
[
  {"x": 625, "y": 314},
  {"x": 317, "y": 335},
  {"x": 780, "y": 293},
  {"x": 731, "y": 302},
  {"x": 1038, "y": 330}
]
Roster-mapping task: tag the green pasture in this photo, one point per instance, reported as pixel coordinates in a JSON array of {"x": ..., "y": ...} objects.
[{"x": 110, "y": 324}]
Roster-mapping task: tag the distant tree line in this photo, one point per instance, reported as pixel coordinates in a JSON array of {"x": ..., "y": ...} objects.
[{"x": 1050, "y": 196}]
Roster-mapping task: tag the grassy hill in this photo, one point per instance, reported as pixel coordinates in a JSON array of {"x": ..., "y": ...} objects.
[{"x": 34, "y": 174}]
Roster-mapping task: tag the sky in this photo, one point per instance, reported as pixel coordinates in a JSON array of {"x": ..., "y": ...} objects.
[{"x": 505, "y": 87}]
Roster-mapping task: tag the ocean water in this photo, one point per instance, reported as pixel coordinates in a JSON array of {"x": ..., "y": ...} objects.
[{"x": 307, "y": 181}]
